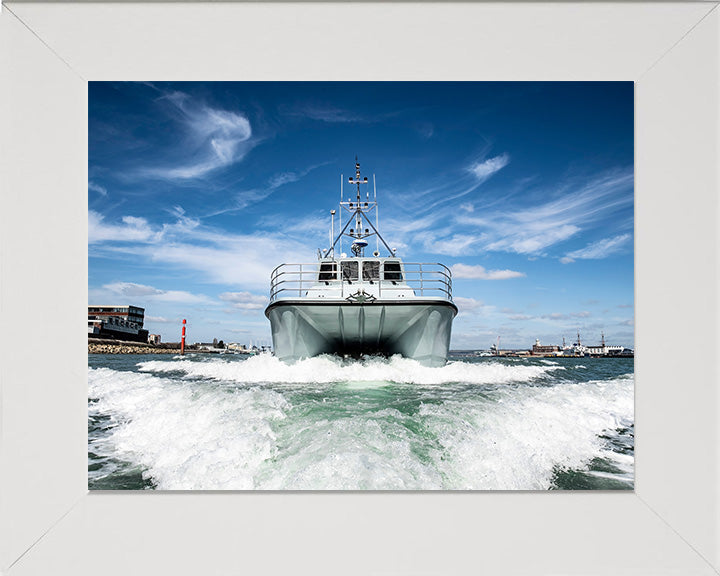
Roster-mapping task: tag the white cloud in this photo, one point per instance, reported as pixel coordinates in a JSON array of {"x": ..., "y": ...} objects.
[
  {"x": 565, "y": 316},
  {"x": 328, "y": 114},
  {"x": 283, "y": 178},
  {"x": 532, "y": 229},
  {"x": 527, "y": 242},
  {"x": 455, "y": 245},
  {"x": 520, "y": 317},
  {"x": 132, "y": 229},
  {"x": 469, "y": 307},
  {"x": 217, "y": 138},
  {"x": 245, "y": 198},
  {"x": 136, "y": 229},
  {"x": 467, "y": 207},
  {"x": 449, "y": 226},
  {"x": 245, "y": 300},
  {"x": 483, "y": 170},
  {"x": 597, "y": 250},
  {"x": 479, "y": 272},
  {"x": 130, "y": 290},
  {"x": 162, "y": 320},
  {"x": 97, "y": 188},
  {"x": 219, "y": 257},
  {"x": 467, "y": 303},
  {"x": 245, "y": 261}
]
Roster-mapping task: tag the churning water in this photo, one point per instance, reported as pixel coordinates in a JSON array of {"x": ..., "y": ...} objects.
[{"x": 226, "y": 422}]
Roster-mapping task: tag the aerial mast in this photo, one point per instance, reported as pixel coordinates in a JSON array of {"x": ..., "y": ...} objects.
[
  {"x": 358, "y": 214},
  {"x": 358, "y": 211}
]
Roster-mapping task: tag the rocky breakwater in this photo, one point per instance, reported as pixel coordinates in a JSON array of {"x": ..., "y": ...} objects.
[{"x": 127, "y": 348}]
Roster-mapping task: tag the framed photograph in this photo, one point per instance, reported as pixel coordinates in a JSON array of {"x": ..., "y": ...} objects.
[
  {"x": 53, "y": 58},
  {"x": 460, "y": 318}
]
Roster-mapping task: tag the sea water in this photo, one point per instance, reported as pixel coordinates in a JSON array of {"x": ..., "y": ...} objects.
[{"x": 230, "y": 422}]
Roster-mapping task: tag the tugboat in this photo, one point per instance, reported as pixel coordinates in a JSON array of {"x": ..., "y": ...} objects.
[{"x": 361, "y": 304}]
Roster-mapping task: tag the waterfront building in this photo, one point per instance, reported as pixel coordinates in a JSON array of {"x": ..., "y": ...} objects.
[
  {"x": 538, "y": 350},
  {"x": 117, "y": 323}
]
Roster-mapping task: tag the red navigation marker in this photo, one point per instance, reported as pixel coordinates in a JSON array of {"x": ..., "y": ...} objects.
[{"x": 182, "y": 342}]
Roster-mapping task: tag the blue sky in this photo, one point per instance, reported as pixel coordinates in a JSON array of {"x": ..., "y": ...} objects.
[{"x": 197, "y": 190}]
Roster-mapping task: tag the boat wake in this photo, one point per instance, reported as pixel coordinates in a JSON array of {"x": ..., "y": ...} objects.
[
  {"x": 325, "y": 369},
  {"x": 324, "y": 423}
]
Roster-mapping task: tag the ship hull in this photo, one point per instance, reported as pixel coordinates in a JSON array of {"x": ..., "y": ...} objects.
[{"x": 419, "y": 330}]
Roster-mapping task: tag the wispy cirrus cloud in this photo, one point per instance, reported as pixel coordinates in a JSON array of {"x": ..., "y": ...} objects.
[
  {"x": 97, "y": 188},
  {"x": 213, "y": 138},
  {"x": 282, "y": 178},
  {"x": 332, "y": 114},
  {"x": 486, "y": 168},
  {"x": 598, "y": 250},
  {"x": 558, "y": 215},
  {"x": 245, "y": 198},
  {"x": 454, "y": 245},
  {"x": 480, "y": 273},
  {"x": 531, "y": 230},
  {"x": 534, "y": 238},
  {"x": 328, "y": 114}
]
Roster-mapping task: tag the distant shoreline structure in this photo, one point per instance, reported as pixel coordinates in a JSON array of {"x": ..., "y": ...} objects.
[
  {"x": 522, "y": 353},
  {"x": 103, "y": 346}
]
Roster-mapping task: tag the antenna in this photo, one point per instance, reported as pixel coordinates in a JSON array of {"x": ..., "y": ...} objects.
[
  {"x": 339, "y": 215},
  {"x": 358, "y": 212},
  {"x": 332, "y": 231},
  {"x": 377, "y": 217}
]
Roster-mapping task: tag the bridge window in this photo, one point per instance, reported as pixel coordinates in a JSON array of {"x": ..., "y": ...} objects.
[
  {"x": 371, "y": 270},
  {"x": 350, "y": 270},
  {"x": 393, "y": 271},
  {"x": 328, "y": 271}
]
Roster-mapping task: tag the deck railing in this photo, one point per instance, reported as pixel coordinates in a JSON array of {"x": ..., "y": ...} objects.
[{"x": 423, "y": 278}]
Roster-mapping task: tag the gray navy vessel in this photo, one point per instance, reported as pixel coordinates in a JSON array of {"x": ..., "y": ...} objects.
[{"x": 361, "y": 304}]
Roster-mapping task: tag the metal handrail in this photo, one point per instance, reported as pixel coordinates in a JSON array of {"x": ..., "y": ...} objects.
[{"x": 288, "y": 279}]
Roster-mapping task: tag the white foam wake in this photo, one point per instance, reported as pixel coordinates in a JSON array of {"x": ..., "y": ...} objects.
[
  {"x": 328, "y": 369},
  {"x": 529, "y": 433},
  {"x": 202, "y": 434},
  {"x": 186, "y": 436}
]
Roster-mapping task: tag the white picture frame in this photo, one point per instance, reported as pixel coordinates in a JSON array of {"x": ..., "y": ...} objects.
[{"x": 50, "y": 524}]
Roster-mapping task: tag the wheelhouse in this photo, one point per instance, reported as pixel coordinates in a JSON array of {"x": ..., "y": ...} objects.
[{"x": 358, "y": 269}]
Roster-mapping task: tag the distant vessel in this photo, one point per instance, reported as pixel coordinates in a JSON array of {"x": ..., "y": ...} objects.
[{"x": 361, "y": 305}]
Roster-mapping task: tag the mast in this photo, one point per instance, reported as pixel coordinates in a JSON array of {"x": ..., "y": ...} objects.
[
  {"x": 359, "y": 210},
  {"x": 377, "y": 217},
  {"x": 340, "y": 222}
]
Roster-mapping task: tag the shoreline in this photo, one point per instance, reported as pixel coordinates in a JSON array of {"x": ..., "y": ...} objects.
[{"x": 97, "y": 346}]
